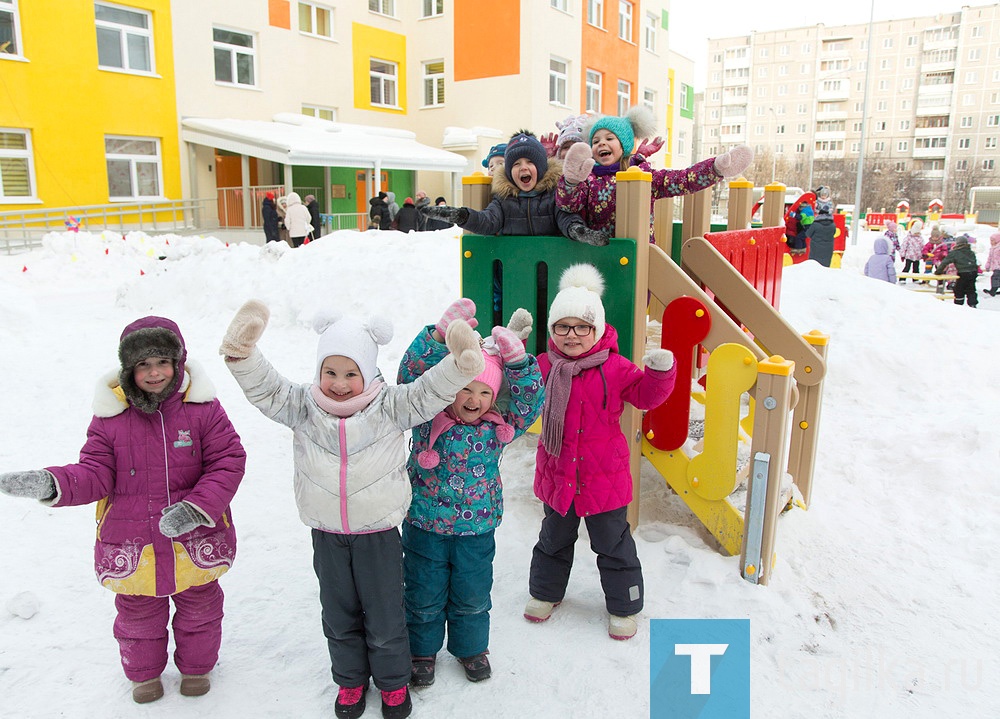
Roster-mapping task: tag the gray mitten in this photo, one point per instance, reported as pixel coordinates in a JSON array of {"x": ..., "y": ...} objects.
[
  {"x": 660, "y": 360},
  {"x": 246, "y": 328},
  {"x": 520, "y": 323},
  {"x": 463, "y": 343},
  {"x": 32, "y": 483},
  {"x": 180, "y": 519},
  {"x": 734, "y": 162},
  {"x": 454, "y": 215},
  {"x": 581, "y": 233}
]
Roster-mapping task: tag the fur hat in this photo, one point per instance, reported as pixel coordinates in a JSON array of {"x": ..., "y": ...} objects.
[
  {"x": 571, "y": 129},
  {"x": 580, "y": 290},
  {"x": 495, "y": 151},
  {"x": 525, "y": 144},
  {"x": 352, "y": 338},
  {"x": 917, "y": 225},
  {"x": 142, "y": 339},
  {"x": 638, "y": 122}
]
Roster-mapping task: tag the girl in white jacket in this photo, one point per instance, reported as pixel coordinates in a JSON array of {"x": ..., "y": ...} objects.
[
  {"x": 297, "y": 219},
  {"x": 350, "y": 484}
]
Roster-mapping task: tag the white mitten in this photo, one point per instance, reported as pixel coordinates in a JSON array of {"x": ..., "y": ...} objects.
[
  {"x": 660, "y": 360},
  {"x": 734, "y": 162},
  {"x": 246, "y": 328},
  {"x": 463, "y": 343},
  {"x": 578, "y": 163},
  {"x": 520, "y": 323}
]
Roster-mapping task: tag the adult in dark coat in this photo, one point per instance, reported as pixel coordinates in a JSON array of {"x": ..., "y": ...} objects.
[
  {"x": 378, "y": 211},
  {"x": 269, "y": 217},
  {"x": 407, "y": 217},
  {"x": 422, "y": 201},
  {"x": 313, "y": 206}
]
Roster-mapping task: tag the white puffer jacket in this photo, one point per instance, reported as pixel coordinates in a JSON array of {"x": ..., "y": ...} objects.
[{"x": 297, "y": 217}]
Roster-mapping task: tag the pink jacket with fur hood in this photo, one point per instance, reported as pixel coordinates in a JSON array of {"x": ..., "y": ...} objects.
[{"x": 592, "y": 470}]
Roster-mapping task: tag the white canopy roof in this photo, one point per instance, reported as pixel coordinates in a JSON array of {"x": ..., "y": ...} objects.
[{"x": 301, "y": 140}]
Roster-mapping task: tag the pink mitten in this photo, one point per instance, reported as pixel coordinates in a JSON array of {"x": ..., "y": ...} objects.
[
  {"x": 511, "y": 348},
  {"x": 463, "y": 309},
  {"x": 550, "y": 142},
  {"x": 734, "y": 162},
  {"x": 648, "y": 148},
  {"x": 578, "y": 163}
]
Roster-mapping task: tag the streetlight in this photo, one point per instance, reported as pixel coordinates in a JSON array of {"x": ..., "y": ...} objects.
[
  {"x": 856, "y": 216},
  {"x": 774, "y": 138}
]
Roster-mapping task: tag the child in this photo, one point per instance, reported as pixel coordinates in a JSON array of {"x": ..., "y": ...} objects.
[
  {"x": 524, "y": 199},
  {"x": 163, "y": 462},
  {"x": 967, "y": 269},
  {"x": 494, "y": 158},
  {"x": 297, "y": 220},
  {"x": 796, "y": 224},
  {"x": 880, "y": 265},
  {"x": 582, "y": 464},
  {"x": 910, "y": 250},
  {"x": 350, "y": 486},
  {"x": 454, "y": 468},
  {"x": 934, "y": 251},
  {"x": 993, "y": 265},
  {"x": 588, "y": 189},
  {"x": 892, "y": 238},
  {"x": 822, "y": 231}
]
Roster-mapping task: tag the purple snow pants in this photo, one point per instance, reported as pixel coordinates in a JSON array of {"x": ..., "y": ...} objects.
[{"x": 141, "y": 631}]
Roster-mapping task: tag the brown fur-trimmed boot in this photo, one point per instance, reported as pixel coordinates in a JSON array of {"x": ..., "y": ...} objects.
[
  {"x": 147, "y": 691},
  {"x": 194, "y": 685}
]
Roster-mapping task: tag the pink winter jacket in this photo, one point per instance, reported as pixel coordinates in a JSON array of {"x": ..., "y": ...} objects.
[
  {"x": 135, "y": 464},
  {"x": 993, "y": 259},
  {"x": 592, "y": 469}
]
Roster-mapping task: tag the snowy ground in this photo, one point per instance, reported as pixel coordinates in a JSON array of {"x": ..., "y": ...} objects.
[{"x": 883, "y": 602}]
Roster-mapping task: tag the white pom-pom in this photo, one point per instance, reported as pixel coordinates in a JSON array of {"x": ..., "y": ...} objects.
[
  {"x": 380, "y": 328},
  {"x": 582, "y": 275},
  {"x": 324, "y": 318},
  {"x": 642, "y": 120}
]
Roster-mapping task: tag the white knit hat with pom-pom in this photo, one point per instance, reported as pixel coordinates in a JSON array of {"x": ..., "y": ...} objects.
[
  {"x": 352, "y": 338},
  {"x": 580, "y": 290}
]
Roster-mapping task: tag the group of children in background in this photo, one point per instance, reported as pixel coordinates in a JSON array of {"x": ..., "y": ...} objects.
[{"x": 163, "y": 461}]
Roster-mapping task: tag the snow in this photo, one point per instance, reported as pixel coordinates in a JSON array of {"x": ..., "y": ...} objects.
[{"x": 883, "y": 601}]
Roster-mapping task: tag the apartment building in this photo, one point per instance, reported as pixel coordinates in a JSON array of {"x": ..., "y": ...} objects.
[
  {"x": 342, "y": 96},
  {"x": 798, "y": 96}
]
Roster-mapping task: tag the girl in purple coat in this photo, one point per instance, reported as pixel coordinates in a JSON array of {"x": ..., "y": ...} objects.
[
  {"x": 163, "y": 462},
  {"x": 582, "y": 464},
  {"x": 880, "y": 265}
]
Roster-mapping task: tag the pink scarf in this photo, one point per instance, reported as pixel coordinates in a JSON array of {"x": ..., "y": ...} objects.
[
  {"x": 557, "y": 387},
  {"x": 348, "y": 406},
  {"x": 445, "y": 420}
]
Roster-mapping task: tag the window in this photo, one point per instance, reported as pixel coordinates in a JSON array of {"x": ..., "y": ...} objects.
[
  {"x": 911, "y": 41},
  {"x": 434, "y": 83},
  {"x": 879, "y": 147},
  {"x": 432, "y": 8},
  {"x": 763, "y": 53},
  {"x": 382, "y": 79},
  {"x": 988, "y": 165},
  {"x": 977, "y": 31},
  {"x": 904, "y": 104},
  {"x": 649, "y": 32},
  {"x": 624, "y": 97},
  {"x": 904, "y": 124},
  {"x": 315, "y": 20},
  {"x": 783, "y": 51},
  {"x": 558, "y": 80},
  {"x": 800, "y": 148},
  {"x": 133, "y": 167},
  {"x": 880, "y": 126},
  {"x": 966, "y": 121},
  {"x": 991, "y": 143},
  {"x": 562, "y": 5},
  {"x": 801, "y": 128},
  {"x": 900, "y": 167},
  {"x": 649, "y": 99},
  {"x": 976, "y": 53},
  {"x": 887, "y": 43},
  {"x": 595, "y": 12},
  {"x": 807, "y": 48},
  {"x": 929, "y": 143},
  {"x": 903, "y": 146},
  {"x": 625, "y": 20},
  {"x": 802, "y": 109},
  {"x": 681, "y": 143},
  {"x": 782, "y": 70},
  {"x": 962, "y": 165},
  {"x": 882, "y": 105},
  {"x": 971, "y": 77},
  {"x": 907, "y": 84},
  {"x": 124, "y": 38},
  {"x": 964, "y": 143},
  {"x": 684, "y": 94},
  {"x": 910, "y": 62},
  {"x": 593, "y": 83},
  {"x": 992, "y": 120},
  {"x": 323, "y": 113},
  {"x": 17, "y": 170},
  {"x": 883, "y": 85},
  {"x": 10, "y": 43},
  {"x": 885, "y": 64},
  {"x": 779, "y": 130},
  {"x": 804, "y": 69},
  {"x": 235, "y": 57},
  {"x": 761, "y": 71},
  {"x": 383, "y": 7}
]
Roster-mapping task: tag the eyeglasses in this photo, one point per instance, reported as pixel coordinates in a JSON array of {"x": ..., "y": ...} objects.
[{"x": 578, "y": 330}]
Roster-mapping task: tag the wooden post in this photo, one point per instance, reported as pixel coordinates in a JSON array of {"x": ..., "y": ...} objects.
[
  {"x": 477, "y": 191},
  {"x": 632, "y": 220},
  {"x": 805, "y": 424},
  {"x": 740, "y": 204},
  {"x": 774, "y": 205},
  {"x": 663, "y": 233},
  {"x": 697, "y": 215}
]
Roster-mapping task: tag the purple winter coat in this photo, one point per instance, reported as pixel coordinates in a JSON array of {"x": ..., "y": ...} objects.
[
  {"x": 592, "y": 469},
  {"x": 880, "y": 265},
  {"x": 135, "y": 464}
]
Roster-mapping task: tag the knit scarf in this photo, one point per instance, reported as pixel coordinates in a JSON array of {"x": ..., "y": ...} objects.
[
  {"x": 604, "y": 170},
  {"x": 557, "y": 387},
  {"x": 446, "y": 419},
  {"x": 348, "y": 406}
]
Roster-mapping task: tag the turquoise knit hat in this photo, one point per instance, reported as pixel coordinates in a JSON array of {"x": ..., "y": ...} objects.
[
  {"x": 619, "y": 126},
  {"x": 495, "y": 151}
]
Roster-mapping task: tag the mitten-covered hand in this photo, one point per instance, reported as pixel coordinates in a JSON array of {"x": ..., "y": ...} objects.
[
  {"x": 578, "y": 163},
  {"x": 462, "y": 309},
  {"x": 32, "y": 483},
  {"x": 649, "y": 147},
  {"x": 454, "y": 215},
  {"x": 660, "y": 360},
  {"x": 734, "y": 162},
  {"x": 551, "y": 143},
  {"x": 520, "y": 323},
  {"x": 511, "y": 348},
  {"x": 180, "y": 519},
  {"x": 463, "y": 343},
  {"x": 581, "y": 233},
  {"x": 246, "y": 328}
]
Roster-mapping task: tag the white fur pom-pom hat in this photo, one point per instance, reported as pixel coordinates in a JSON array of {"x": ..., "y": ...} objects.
[
  {"x": 351, "y": 337},
  {"x": 580, "y": 290}
]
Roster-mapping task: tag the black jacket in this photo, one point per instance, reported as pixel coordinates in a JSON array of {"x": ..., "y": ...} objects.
[{"x": 269, "y": 216}]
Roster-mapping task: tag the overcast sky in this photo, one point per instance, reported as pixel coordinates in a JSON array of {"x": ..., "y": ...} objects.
[{"x": 693, "y": 23}]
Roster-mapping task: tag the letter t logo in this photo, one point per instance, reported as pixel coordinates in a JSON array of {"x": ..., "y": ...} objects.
[{"x": 701, "y": 663}]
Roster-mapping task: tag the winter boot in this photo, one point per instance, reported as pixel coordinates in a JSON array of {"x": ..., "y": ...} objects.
[
  {"x": 396, "y": 704},
  {"x": 194, "y": 685},
  {"x": 350, "y": 702},
  {"x": 147, "y": 691},
  {"x": 422, "y": 671},
  {"x": 537, "y": 610},
  {"x": 622, "y": 627},
  {"x": 477, "y": 668}
]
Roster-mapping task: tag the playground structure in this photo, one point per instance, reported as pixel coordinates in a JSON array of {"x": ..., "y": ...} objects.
[{"x": 716, "y": 295}]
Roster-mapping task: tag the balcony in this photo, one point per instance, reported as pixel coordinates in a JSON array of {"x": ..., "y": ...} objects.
[
  {"x": 834, "y": 135},
  {"x": 929, "y": 153}
]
